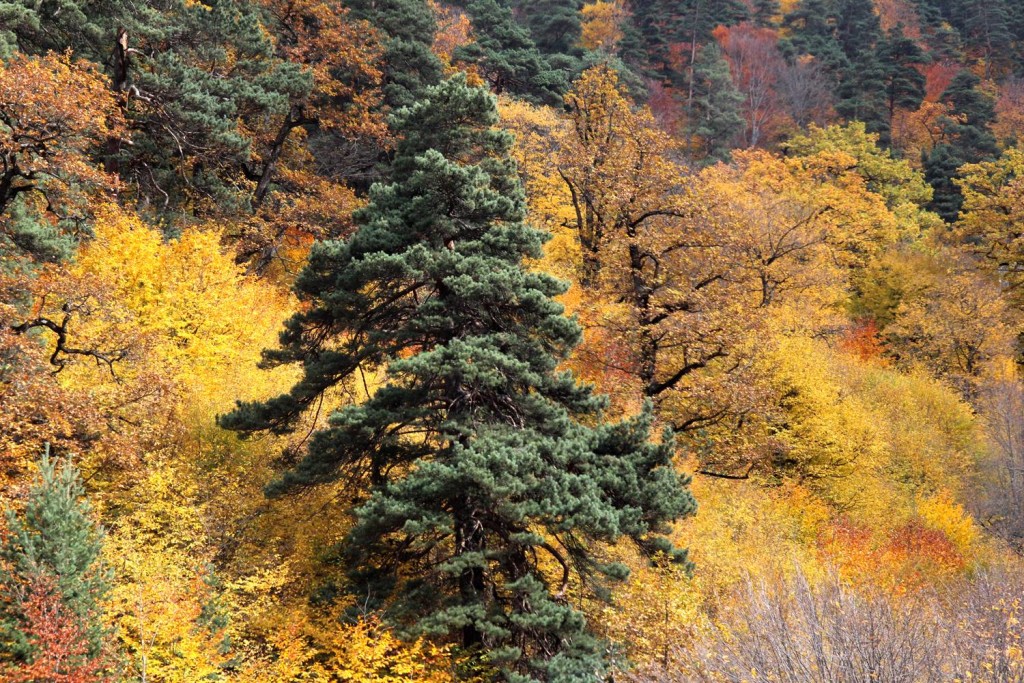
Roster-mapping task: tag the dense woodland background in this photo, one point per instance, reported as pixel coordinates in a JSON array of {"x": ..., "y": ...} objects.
[{"x": 790, "y": 233}]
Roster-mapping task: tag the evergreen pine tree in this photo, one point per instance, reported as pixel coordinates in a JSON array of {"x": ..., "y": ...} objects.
[
  {"x": 967, "y": 140},
  {"x": 986, "y": 30},
  {"x": 409, "y": 63},
  {"x": 812, "y": 31},
  {"x": 861, "y": 92},
  {"x": 942, "y": 39},
  {"x": 478, "y": 455},
  {"x": 55, "y": 542},
  {"x": 189, "y": 71},
  {"x": 26, "y": 232},
  {"x": 507, "y": 57},
  {"x": 656, "y": 28},
  {"x": 555, "y": 25},
  {"x": 716, "y": 117},
  {"x": 766, "y": 12},
  {"x": 975, "y": 112},
  {"x": 663, "y": 23},
  {"x": 632, "y": 49},
  {"x": 940, "y": 168},
  {"x": 1016, "y": 25},
  {"x": 904, "y": 83}
]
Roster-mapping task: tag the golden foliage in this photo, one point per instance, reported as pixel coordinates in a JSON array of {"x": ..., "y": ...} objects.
[
  {"x": 53, "y": 112},
  {"x": 602, "y": 25}
]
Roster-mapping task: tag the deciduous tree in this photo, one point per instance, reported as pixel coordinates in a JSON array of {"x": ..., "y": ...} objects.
[{"x": 54, "y": 115}]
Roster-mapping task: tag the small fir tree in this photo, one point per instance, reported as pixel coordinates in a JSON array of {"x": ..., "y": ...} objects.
[{"x": 50, "y": 569}]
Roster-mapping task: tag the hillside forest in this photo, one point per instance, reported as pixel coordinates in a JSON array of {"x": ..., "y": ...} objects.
[{"x": 521, "y": 341}]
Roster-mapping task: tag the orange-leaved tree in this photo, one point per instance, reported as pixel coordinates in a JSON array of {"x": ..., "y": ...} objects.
[{"x": 53, "y": 113}]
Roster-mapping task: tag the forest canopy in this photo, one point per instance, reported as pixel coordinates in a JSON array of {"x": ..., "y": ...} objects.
[{"x": 502, "y": 341}]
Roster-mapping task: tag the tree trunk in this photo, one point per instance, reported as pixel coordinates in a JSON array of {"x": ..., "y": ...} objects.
[
  {"x": 292, "y": 121},
  {"x": 469, "y": 538}
]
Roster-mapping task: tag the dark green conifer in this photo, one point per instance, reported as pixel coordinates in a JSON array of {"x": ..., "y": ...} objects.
[
  {"x": 904, "y": 82},
  {"x": 26, "y": 233},
  {"x": 1016, "y": 24},
  {"x": 188, "y": 72},
  {"x": 766, "y": 13},
  {"x": 664, "y": 23},
  {"x": 940, "y": 168},
  {"x": 409, "y": 63},
  {"x": 479, "y": 457},
  {"x": 967, "y": 140},
  {"x": 812, "y": 31},
  {"x": 555, "y": 25},
  {"x": 861, "y": 91},
  {"x": 507, "y": 57},
  {"x": 716, "y": 117},
  {"x": 942, "y": 39},
  {"x": 986, "y": 31}
]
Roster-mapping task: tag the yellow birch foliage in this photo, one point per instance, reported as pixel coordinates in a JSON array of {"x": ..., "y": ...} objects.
[
  {"x": 652, "y": 613},
  {"x": 795, "y": 230},
  {"x": 538, "y": 130},
  {"x": 992, "y": 213},
  {"x": 901, "y": 186},
  {"x": 187, "y": 326},
  {"x": 285, "y": 639},
  {"x": 614, "y": 162},
  {"x": 164, "y": 601},
  {"x": 454, "y": 29},
  {"x": 602, "y": 25},
  {"x": 204, "y": 316},
  {"x": 958, "y": 324},
  {"x": 942, "y": 513},
  {"x": 866, "y": 436}
]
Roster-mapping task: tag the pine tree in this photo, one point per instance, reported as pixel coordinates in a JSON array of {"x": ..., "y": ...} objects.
[
  {"x": 986, "y": 29},
  {"x": 766, "y": 12},
  {"x": 1016, "y": 24},
  {"x": 410, "y": 64},
  {"x": 967, "y": 140},
  {"x": 507, "y": 57},
  {"x": 861, "y": 92},
  {"x": 942, "y": 39},
  {"x": 479, "y": 457},
  {"x": 663, "y": 23},
  {"x": 187, "y": 72},
  {"x": 716, "y": 117},
  {"x": 812, "y": 31},
  {"x": 940, "y": 168},
  {"x": 27, "y": 233},
  {"x": 55, "y": 544},
  {"x": 904, "y": 83},
  {"x": 554, "y": 25}
]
